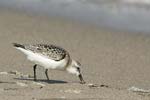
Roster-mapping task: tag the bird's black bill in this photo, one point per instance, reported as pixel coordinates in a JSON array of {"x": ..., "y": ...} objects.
[{"x": 81, "y": 79}]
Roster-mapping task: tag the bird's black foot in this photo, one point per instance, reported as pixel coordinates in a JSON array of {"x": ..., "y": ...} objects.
[
  {"x": 46, "y": 73},
  {"x": 34, "y": 69}
]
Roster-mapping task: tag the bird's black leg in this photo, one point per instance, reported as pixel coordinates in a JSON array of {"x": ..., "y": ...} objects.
[
  {"x": 46, "y": 73},
  {"x": 34, "y": 69}
]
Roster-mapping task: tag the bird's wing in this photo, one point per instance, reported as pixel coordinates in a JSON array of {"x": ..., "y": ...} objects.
[{"x": 52, "y": 52}]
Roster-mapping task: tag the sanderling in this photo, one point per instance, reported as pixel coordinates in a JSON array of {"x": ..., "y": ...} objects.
[{"x": 50, "y": 57}]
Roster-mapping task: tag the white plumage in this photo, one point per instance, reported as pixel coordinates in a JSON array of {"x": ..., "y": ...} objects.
[{"x": 44, "y": 61}]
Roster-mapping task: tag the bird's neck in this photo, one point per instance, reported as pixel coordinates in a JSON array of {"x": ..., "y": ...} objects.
[{"x": 69, "y": 62}]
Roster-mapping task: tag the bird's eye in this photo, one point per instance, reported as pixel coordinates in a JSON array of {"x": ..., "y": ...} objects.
[{"x": 78, "y": 69}]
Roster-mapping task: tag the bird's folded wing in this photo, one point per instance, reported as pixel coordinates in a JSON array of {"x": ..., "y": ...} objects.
[{"x": 50, "y": 51}]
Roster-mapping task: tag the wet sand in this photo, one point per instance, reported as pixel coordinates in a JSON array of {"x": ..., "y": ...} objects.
[{"x": 112, "y": 61}]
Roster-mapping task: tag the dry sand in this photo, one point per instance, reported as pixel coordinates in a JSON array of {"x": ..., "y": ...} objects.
[{"x": 113, "y": 61}]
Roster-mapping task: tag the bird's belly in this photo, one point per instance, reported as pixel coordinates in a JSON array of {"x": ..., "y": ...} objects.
[{"x": 47, "y": 63}]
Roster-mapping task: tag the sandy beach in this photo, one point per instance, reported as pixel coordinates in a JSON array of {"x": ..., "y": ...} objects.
[{"x": 112, "y": 62}]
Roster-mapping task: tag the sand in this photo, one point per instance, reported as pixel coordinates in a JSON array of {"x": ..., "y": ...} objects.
[{"x": 111, "y": 61}]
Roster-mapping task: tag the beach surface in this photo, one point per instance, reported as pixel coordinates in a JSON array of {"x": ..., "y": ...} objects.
[{"x": 115, "y": 65}]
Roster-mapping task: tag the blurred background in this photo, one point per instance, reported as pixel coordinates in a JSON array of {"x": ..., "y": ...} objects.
[
  {"x": 120, "y": 15},
  {"x": 110, "y": 38}
]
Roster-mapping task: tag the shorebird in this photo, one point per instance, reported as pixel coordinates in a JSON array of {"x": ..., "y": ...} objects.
[{"x": 50, "y": 57}]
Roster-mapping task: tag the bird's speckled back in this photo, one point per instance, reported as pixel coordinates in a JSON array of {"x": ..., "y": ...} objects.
[{"x": 51, "y": 51}]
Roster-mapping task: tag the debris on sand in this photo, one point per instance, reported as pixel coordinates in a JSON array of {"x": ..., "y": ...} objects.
[
  {"x": 3, "y": 73},
  {"x": 102, "y": 85},
  {"x": 20, "y": 74},
  {"x": 91, "y": 85},
  {"x": 15, "y": 73},
  {"x": 21, "y": 84},
  {"x": 136, "y": 89}
]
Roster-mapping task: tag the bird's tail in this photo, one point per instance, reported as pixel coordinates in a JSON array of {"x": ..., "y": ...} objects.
[{"x": 18, "y": 45}]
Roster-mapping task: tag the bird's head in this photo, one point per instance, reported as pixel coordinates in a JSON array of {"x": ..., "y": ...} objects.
[{"x": 74, "y": 68}]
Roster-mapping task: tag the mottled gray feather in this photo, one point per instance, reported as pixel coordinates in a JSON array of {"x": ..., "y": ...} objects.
[{"x": 51, "y": 51}]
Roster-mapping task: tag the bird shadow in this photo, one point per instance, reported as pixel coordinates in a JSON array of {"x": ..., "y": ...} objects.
[
  {"x": 5, "y": 82},
  {"x": 42, "y": 80}
]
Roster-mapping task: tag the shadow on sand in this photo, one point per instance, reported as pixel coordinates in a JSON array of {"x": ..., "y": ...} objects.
[{"x": 46, "y": 81}]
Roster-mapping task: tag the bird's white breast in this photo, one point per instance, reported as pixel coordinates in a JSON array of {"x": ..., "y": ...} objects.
[{"x": 43, "y": 60}]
